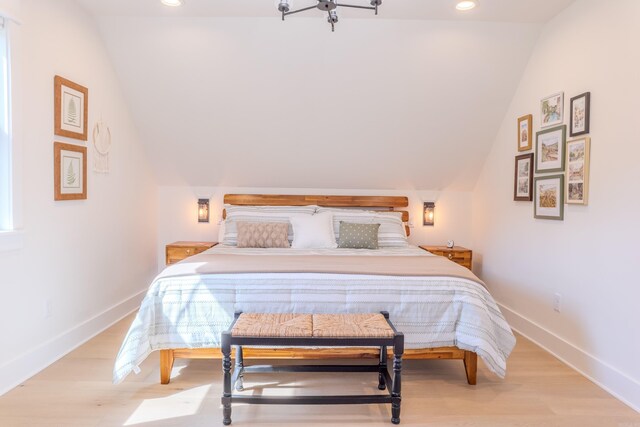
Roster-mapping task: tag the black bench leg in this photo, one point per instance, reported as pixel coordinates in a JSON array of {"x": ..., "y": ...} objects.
[
  {"x": 226, "y": 369},
  {"x": 382, "y": 367},
  {"x": 396, "y": 387},
  {"x": 240, "y": 368}
]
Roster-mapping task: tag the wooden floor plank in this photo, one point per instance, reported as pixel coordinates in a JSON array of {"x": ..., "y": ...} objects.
[{"x": 538, "y": 391}]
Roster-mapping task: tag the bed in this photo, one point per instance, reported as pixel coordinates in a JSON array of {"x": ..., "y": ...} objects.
[{"x": 444, "y": 310}]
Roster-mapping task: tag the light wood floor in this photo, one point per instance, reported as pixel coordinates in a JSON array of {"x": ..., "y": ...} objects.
[{"x": 77, "y": 391}]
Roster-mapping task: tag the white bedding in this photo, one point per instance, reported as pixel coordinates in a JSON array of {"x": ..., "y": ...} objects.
[{"x": 191, "y": 311}]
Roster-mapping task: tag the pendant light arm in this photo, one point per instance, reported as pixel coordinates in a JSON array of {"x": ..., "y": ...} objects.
[{"x": 297, "y": 11}]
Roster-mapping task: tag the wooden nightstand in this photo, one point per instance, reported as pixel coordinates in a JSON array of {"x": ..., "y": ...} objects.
[
  {"x": 177, "y": 251},
  {"x": 457, "y": 254}
]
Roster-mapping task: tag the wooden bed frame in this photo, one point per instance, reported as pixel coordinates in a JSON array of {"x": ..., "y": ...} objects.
[{"x": 389, "y": 203}]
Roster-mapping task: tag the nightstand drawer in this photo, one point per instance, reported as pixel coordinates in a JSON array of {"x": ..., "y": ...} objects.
[
  {"x": 176, "y": 252},
  {"x": 458, "y": 254}
]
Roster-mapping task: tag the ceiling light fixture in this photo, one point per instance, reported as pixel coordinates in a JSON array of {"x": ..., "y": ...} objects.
[
  {"x": 466, "y": 5},
  {"x": 328, "y": 6},
  {"x": 172, "y": 3}
]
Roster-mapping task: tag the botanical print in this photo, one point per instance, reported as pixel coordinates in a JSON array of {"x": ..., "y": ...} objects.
[
  {"x": 552, "y": 110},
  {"x": 549, "y": 197},
  {"x": 550, "y": 149},
  {"x": 72, "y": 110},
  {"x": 71, "y": 172},
  {"x": 578, "y": 171}
]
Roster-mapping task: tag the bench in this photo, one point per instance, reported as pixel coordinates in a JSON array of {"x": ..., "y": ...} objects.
[{"x": 313, "y": 330}]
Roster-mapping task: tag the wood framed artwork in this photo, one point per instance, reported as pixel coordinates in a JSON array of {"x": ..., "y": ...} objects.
[
  {"x": 525, "y": 133},
  {"x": 552, "y": 110},
  {"x": 71, "y": 107},
  {"x": 580, "y": 114},
  {"x": 523, "y": 187},
  {"x": 549, "y": 197},
  {"x": 70, "y": 171},
  {"x": 550, "y": 149},
  {"x": 577, "y": 190}
]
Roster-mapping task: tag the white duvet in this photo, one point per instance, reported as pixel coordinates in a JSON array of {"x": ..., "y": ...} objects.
[{"x": 191, "y": 311}]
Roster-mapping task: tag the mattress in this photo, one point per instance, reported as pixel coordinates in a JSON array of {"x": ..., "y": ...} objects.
[{"x": 191, "y": 310}]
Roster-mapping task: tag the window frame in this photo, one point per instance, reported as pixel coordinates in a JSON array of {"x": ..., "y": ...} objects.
[{"x": 11, "y": 238}]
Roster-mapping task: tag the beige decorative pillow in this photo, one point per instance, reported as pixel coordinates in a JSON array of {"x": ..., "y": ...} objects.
[{"x": 263, "y": 235}]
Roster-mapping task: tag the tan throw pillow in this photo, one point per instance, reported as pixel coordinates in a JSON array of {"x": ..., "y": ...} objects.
[{"x": 263, "y": 235}]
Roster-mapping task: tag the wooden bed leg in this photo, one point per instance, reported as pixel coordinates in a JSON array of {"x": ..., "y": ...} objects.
[
  {"x": 471, "y": 366},
  {"x": 166, "y": 365}
]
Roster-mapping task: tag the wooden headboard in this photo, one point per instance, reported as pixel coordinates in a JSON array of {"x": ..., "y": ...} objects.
[{"x": 389, "y": 203}]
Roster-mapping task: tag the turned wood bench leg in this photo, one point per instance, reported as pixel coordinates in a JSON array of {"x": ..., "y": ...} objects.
[
  {"x": 471, "y": 366},
  {"x": 166, "y": 365}
]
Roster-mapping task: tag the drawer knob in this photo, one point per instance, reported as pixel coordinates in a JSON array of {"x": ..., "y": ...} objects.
[
  {"x": 188, "y": 251},
  {"x": 450, "y": 256}
]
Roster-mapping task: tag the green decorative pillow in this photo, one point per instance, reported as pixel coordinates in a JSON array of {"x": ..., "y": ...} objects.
[{"x": 358, "y": 236}]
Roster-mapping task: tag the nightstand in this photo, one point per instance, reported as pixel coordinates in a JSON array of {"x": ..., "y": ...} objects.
[
  {"x": 177, "y": 251},
  {"x": 457, "y": 254}
]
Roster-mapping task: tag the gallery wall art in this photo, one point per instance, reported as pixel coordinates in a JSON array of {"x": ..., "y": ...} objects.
[
  {"x": 552, "y": 110},
  {"x": 70, "y": 171},
  {"x": 71, "y": 108},
  {"x": 578, "y": 152}
]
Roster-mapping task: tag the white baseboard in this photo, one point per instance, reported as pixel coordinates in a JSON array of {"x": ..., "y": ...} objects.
[
  {"x": 23, "y": 367},
  {"x": 610, "y": 379}
]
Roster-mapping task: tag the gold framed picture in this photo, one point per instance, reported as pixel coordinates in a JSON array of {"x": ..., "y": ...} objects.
[
  {"x": 577, "y": 192},
  {"x": 71, "y": 108},
  {"x": 69, "y": 171},
  {"x": 525, "y": 133}
]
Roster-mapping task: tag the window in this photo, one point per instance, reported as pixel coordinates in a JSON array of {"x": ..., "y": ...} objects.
[{"x": 6, "y": 220}]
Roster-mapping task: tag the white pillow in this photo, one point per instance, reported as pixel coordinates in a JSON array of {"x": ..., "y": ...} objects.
[
  {"x": 392, "y": 232},
  {"x": 237, "y": 214},
  {"x": 221, "y": 229},
  {"x": 313, "y": 232}
]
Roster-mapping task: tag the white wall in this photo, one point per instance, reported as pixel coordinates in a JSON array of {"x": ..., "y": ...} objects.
[
  {"x": 591, "y": 258},
  {"x": 177, "y": 210},
  {"x": 89, "y": 259},
  {"x": 260, "y": 102}
]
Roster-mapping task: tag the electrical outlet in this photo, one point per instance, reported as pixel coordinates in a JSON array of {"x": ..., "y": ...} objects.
[
  {"x": 47, "y": 308},
  {"x": 557, "y": 302}
]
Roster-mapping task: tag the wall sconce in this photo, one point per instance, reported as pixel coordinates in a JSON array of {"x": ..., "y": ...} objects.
[
  {"x": 203, "y": 210},
  {"x": 429, "y": 214}
]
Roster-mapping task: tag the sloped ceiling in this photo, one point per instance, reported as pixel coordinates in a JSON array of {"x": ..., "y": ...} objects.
[{"x": 252, "y": 101}]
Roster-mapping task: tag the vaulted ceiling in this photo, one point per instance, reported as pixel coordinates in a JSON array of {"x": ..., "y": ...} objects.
[{"x": 224, "y": 93}]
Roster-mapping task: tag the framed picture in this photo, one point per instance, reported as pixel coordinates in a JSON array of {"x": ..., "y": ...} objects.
[
  {"x": 525, "y": 133},
  {"x": 71, "y": 109},
  {"x": 580, "y": 114},
  {"x": 552, "y": 110},
  {"x": 550, "y": 149},
  {"x": 70, "y": 171},
  {"x": 523, "y": 187},
  {"x": 578, "y": 171},
  {"x": 549, "y": 197}
]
